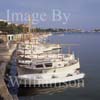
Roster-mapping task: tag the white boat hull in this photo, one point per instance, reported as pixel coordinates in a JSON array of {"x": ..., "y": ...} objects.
[{"x": 33, "y": 80}]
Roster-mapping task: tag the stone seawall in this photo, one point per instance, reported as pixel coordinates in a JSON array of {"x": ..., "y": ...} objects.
[{"x": 5, "y": 57}]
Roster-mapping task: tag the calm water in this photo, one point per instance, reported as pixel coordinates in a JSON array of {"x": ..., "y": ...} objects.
[{"x": 89, "y": 54}]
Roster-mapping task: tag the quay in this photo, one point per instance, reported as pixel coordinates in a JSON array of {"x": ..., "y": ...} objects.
[
  {"x": 7, "y": 49},
  {"x": 5, "y": 58},
  {"x": 8, "y": 43}
]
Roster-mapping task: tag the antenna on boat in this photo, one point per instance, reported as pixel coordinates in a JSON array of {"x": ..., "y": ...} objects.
[
  {"x": 72, "y": 44},
  {"x": 69, "y": 50},
  {"x": 69, "y": 46},
  {"x": 30, "y": 26},
  {"x": 29, "y": 30}
]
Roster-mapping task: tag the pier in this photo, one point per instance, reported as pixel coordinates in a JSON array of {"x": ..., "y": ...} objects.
[
  {"x": 6, "y": 53},
  {"x": 7, "y": 49}
]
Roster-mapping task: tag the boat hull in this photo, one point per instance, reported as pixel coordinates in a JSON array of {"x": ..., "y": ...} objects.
[{"x": 32, "y": 81}]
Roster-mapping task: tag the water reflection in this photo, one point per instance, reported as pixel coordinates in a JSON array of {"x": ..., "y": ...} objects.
[{"x": 31, "y": 91}]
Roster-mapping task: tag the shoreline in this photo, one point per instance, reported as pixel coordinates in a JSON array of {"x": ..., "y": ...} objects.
[{"x": 5, "y": 59}]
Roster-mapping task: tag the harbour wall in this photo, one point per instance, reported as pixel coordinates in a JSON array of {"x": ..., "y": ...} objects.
[{"x": 6, "y": 53}]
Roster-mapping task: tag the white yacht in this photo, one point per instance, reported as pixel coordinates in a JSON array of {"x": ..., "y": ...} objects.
[
  {"x": 49, "y": 70},
  {"x": 31, "y": 48}
]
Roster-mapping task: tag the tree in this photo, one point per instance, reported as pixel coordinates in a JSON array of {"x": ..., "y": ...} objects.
[{"x": 3, "y": 26}]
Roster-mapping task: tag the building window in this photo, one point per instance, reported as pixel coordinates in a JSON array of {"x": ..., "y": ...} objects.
[
  {"x": 9, "y": 37},
  {"x": 12, "y": 38}
]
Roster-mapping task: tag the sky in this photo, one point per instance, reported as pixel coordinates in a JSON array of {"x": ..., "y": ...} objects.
[{"x": 81, "y": 14}]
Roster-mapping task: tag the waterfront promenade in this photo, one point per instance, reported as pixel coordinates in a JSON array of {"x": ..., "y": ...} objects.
[{"x": 5, "y": 57}]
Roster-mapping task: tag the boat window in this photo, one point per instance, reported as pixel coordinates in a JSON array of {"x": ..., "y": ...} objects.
[
  {"x": 65, "y": 65},
  {"x": 48, "y": 64},
  {"x": 59, "y": 64},
  {"x": 39, "y": 66}
]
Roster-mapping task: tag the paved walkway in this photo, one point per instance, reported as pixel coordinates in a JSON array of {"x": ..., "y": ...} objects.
[{"x": 5, "y": 57}]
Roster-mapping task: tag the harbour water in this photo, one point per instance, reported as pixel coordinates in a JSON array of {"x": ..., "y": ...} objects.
[{"x": 89, "y": 53}]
